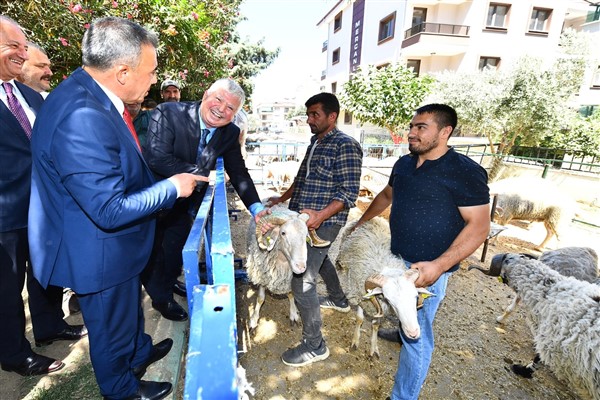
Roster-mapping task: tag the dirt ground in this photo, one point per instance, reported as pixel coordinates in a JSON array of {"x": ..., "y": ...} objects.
[
  {"x": 473, "y": 353},
  {"x": 471, "y": 361}
]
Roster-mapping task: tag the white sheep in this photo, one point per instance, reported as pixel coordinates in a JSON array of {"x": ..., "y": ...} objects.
[
  {"x": 579, "y": 262},
  {"x": 372, "y": 270},
  {"x": 271, "y": 260},
  {"x": 281, "y": 173},
  {"x": 533, "y": 199},
  {"x": 564, "y": 316}
]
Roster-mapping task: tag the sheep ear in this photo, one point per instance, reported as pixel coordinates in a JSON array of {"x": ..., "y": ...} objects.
[
  {"x": 272, "y": 238},
  {"x": 304, "y": 217},
  {"x": 411, "y": 275}
]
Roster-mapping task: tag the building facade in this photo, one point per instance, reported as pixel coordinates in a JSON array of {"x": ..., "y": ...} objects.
[{"x": 457, "y": 35}]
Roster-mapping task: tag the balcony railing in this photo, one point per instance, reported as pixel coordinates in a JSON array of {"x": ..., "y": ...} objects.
[{"x": 443, "y": 29}]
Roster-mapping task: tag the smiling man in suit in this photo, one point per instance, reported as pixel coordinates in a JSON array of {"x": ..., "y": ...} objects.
[
  {"x": 189, "y": 137},
  {"x": 93, "y": 201},
  {"x": 18, "y": 108}
]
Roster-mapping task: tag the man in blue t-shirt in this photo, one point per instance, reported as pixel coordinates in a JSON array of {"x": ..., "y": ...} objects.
[{"x": 440, "y": 215}]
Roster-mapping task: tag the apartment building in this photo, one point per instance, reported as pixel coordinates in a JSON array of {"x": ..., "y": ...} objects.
[
  {"x": 457, "y": 35},
  {"x": 272, "y": 115}
]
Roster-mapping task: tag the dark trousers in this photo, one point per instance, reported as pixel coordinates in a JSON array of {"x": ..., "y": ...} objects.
[
  {"x": 115, "y": 322},
  {"x": 45, "y": 305},
  {"x": 166, "y": 260},
  {"x": 304, "y": 287}
]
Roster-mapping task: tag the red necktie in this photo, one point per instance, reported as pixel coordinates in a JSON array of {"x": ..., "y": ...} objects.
[
  {"x": 17, "y": 110},
  {"x": 129, "y": 122}
]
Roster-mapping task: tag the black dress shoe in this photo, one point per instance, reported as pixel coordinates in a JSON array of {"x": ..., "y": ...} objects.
[
  {"x": 148, "y": 390},
  {"x": 35, "y": 364},
  {"x": 180, "y": 289},
  {"x": 171, "y": 310},
  {"x": 71, "y": 332},
  {"x": 159, "y": 350},
  {"x": 391, "y": 335}
]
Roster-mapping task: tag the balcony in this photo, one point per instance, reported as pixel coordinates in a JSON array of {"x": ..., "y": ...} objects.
[
  {"x": 434, "y": 38},
  {"x": 442, "y": 29}
]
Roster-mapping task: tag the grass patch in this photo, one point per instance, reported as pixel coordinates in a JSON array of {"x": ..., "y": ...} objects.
[{"x": 78, "y": 384}]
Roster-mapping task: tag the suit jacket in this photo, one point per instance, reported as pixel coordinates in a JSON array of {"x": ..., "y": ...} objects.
[
  {"x": 15, "y": 164},
  {"x": 93, "y": 196},
  {"x": 172, "y": 147}
]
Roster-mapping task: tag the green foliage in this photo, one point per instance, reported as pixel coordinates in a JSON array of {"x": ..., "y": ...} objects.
[
  {"x": 196, "y": 40},
  {"x": 386, "y": 97},
  {"x": 581, "y": 134}
]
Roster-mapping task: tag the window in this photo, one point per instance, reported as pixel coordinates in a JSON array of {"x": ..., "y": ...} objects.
[
  {"x": 386, "y": 27},
  {"x": 419, "y": 16},
  {"x": 333, "y": 87},
  {"x": 415, "y": 65},
  {"x": 335, "y": 58},
  {"x": 540, "y": 20},
  {"x": 347, "y": 117},
  {"x": 596, "y": 78},
  {"x": 497, "y": 16},
  {"x": 337, "y": 22},
  {"x": 489, "y": 62}
]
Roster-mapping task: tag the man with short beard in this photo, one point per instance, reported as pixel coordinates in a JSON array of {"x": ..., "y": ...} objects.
[
  {"x": 440, "y": 215},
  {"x": 36, "y": 72}
]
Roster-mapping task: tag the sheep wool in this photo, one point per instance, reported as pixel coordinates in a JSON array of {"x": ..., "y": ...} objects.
[{"x": 564, "y": 319}]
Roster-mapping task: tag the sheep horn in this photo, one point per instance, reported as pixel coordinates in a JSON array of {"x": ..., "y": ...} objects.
[
  {"x": 267, "y": 219},
  {"x": 375, "y": 281},
  {"x": 315, "y": 240}
]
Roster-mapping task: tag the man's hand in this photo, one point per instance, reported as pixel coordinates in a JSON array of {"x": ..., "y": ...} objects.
[
  {"x": 315, "y": 219},
  {"x": 186, "y": 183},
  {"x": 271, "y": 201},
  {"x": 429, "y": 272}
]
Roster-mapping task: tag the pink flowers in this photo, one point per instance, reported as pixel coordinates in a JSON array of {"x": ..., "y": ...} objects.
[
  {"x": 76, "y": 8},
  {"x": 115, "y": 4},
  {"x": 64, "y": 41},
  {"x": 194, "y": 15}
]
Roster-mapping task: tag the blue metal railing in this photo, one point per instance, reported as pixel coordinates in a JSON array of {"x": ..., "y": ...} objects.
[{"x": 211, "y": 361}]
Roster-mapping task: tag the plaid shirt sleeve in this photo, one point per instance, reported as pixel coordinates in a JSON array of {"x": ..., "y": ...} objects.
[{"x": 335, "y": 169}]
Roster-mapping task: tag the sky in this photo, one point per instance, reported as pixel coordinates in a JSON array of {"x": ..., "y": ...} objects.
[{"x": 292, "y": 26}]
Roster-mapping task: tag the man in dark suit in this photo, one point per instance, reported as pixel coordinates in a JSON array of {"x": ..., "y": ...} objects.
[
  {"x": 189, "y": 137},
  {"x": 18, "y": 110},
  {"x": 93, "y": 199}
]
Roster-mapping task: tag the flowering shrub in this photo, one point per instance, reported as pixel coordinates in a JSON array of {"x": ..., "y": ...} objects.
[{"x": 194, "y": 35}]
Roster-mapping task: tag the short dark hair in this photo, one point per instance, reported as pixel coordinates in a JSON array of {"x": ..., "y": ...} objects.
[
  {"x": 443, "y": 114},
  {"x": 328, "y": 101}
]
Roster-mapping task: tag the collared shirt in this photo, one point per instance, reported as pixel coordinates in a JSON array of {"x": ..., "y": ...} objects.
[
  {"x": 334, "y": 174},
  {"x": 17, "y": 93},
  {"x": 425, "y": 217}
]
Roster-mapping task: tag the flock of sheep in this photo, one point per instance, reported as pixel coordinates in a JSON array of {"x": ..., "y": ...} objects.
[{"x": 560, "y": 290}]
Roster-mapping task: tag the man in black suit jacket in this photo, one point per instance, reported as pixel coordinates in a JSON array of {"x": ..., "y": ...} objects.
[
  {"x": 15, "y": 185},
  {"x": 175, "y": 144}
]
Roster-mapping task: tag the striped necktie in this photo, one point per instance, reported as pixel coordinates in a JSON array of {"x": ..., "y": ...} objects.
[{"x": 17, "y": 110}]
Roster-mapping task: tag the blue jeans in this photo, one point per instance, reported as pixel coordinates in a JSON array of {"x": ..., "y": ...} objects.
[
  {"x": 304, "y": 287},
  {"x": 415, "y": 355}
]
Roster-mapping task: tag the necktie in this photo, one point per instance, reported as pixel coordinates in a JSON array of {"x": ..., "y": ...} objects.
[
  {"x": 202, "y": 144},
  {"x": 17, "y": 109},
  {"x": 129, "y": 122}
]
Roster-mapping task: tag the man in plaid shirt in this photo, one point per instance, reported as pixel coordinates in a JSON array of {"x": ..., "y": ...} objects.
[{"x": 326, "y": 187}]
